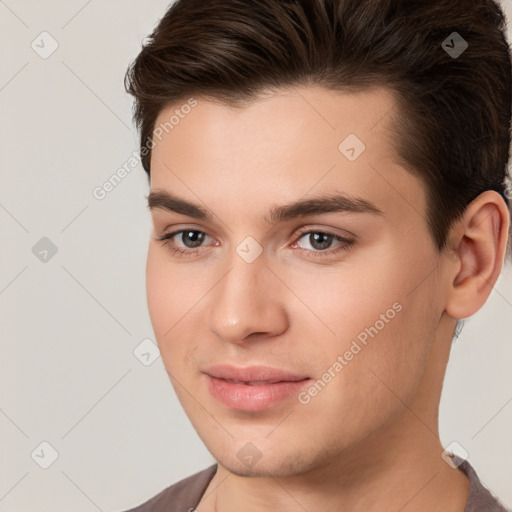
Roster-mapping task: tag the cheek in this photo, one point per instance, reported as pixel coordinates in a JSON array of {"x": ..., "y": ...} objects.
[
  {"x": 373, "y": 365},
  {"x": 378, "y": 327},
  {"x": 158, "y": 293},
  {"x": 341, "y": 303},
  {"x": 173, "y": 291},
  {"x": 166, "y": 297}
]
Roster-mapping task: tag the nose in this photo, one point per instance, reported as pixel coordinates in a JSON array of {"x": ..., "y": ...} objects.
[{"x": 246, "y": 304}]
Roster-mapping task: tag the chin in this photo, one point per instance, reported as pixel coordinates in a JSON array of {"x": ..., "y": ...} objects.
[{"x": 276, "y": 465}]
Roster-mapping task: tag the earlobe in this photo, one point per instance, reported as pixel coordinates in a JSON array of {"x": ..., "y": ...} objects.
[{"x": 478, "y": 247}]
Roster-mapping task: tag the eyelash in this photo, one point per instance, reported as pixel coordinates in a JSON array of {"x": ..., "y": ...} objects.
[{"x": 345, "y": 243}]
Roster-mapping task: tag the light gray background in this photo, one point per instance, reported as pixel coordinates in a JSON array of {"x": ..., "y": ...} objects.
[{"x": 70, "y": 325}]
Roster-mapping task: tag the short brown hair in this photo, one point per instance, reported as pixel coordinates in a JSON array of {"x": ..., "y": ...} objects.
[{"x": 453, "y": 124}]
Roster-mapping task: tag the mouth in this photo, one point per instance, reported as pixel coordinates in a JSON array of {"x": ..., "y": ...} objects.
[
  {"x": 254, "y": 388},
  {"x": 257, "y": 382}
]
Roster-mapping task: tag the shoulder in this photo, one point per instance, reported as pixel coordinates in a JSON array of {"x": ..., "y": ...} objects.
[
  {"x": 183, "y": 495},
  {"x": 479, "y": 498}
]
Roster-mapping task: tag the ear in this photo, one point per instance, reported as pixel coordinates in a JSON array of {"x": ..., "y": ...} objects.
[{"x": 477, "y": 248}]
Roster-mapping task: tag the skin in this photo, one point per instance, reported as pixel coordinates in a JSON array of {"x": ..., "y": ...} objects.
[{"x": 357, "y": 445}]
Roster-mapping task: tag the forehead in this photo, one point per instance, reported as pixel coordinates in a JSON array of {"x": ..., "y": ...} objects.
[
  {"x": 293, "y": 115},
  {"x": 281, "y": 147}
]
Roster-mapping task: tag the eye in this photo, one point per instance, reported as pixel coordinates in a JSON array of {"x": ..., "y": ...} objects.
[
  {"x": 322, "y": 242},
  {"x": 191, "y": 240},
  {"x": 188, "y": 242}
]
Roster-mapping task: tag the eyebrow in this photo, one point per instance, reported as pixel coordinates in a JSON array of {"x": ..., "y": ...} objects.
[{"x": 325, "y": 204}]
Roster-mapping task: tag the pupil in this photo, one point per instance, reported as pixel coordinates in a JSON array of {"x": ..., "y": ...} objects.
[
  {"x": 320, "y": 240},
  {"x": 195, "y": 236}
]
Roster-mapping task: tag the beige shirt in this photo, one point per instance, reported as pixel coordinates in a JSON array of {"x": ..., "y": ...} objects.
[{"x": 185, "y": 495}]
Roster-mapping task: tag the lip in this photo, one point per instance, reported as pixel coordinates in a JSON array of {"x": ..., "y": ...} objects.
[{"x": 253, "y": 388}]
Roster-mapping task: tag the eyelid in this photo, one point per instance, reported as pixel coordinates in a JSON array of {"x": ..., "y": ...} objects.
[
  {"x": 296, "y": 234},
  {"x": 166, "y": 240},
  {"x": 344, "y": 244},
  {"x": 328, "y": 231}
]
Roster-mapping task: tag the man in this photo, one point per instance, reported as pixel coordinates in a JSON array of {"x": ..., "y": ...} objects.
[{"x": 329, "y": 197}]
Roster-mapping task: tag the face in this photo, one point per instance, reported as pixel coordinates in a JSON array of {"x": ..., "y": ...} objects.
[{"x": 283, "y": 328}]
